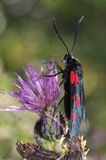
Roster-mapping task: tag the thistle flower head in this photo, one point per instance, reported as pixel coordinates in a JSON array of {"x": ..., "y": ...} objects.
[{"x": 38, "y": 91}]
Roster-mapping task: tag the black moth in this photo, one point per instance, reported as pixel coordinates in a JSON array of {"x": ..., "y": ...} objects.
[{"x": 72, "y": 78}]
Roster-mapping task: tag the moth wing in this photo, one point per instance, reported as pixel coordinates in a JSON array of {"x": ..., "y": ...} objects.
[{"x": 78, "y": 106}]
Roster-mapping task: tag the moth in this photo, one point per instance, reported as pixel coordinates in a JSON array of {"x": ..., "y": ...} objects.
[{"x": 72, "y": 78}]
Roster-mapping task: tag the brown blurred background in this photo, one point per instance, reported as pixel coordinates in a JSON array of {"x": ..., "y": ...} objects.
[{"x": 27, "y": 36}]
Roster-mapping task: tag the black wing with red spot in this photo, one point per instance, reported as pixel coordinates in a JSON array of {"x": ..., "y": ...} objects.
[{"x": 77, "y": 103}]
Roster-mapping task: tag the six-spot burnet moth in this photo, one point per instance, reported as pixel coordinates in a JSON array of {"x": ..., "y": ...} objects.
[{"x": 72, "y": 78}]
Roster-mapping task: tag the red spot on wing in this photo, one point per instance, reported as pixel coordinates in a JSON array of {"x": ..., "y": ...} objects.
[
  {"x": 73, "y": 78},
  {"x": 73, "y": 117},
  {"x": 77, "y": 102}
]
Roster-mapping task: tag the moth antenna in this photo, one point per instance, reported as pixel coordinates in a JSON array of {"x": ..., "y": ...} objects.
[
  {"x": 57, "y": 32},
  {"x": 76, "y": 32}
]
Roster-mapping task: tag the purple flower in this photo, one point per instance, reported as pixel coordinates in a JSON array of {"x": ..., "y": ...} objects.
[{"x": 37, "y": 92}]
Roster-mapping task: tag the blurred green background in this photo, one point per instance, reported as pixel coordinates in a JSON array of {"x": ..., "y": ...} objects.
[{"x": 27, "y": 36}]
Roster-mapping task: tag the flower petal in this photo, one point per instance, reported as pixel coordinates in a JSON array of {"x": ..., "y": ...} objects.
[{"x": 13, "y": 108}]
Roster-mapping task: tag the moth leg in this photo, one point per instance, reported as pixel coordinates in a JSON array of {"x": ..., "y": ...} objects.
[
  {"x": 61, "y": 100},
  {"x": 52, "y": 68},
  {"x": 59, "y": 68},
  {"x": 61, "y": 71},
  {"x": 53, "y": 74},
  {"x": 61, "y": 82}
]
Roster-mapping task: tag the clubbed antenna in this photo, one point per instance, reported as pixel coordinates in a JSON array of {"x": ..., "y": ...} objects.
[
  {"x": 76, "y": 32},
  {"x": 57, "y": 32}
]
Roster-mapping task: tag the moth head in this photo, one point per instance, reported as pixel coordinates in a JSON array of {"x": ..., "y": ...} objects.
[{"x": 67, "y": 58}]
